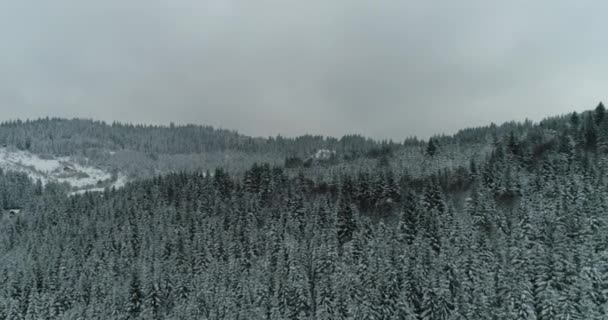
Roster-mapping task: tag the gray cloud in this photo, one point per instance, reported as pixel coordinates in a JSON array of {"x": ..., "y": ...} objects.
[{"x": 388, "y": 69}]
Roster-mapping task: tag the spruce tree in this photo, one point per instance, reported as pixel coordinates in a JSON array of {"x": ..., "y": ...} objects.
[{"x": 431, "y": 148}]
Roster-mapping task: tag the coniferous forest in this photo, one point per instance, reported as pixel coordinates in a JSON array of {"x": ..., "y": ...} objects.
[{"x": 498, "y": 222}]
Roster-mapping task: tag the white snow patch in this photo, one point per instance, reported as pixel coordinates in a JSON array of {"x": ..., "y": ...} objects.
[
  {"x": 17, "y": 158},
  {"x": 324, "y": 154},
  {"x": 59, "y": 169},
  {"x": 121, "y": 181},
  {"x": 83, "y": 191}
]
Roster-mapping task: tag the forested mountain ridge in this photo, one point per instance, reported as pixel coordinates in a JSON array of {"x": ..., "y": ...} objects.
[
  {"x": 500, "y": 222},
  {"x": 155, "y": 147},
  {"x": 140, "y": 151}
]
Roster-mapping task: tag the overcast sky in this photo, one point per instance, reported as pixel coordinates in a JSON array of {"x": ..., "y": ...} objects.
[{"x": 386, "y": 69}]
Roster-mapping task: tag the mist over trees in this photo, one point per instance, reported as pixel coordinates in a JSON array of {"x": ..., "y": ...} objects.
[{"x": 499, "y": 222}]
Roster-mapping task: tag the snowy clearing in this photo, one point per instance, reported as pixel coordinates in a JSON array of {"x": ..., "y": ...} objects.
[{"x": 59, "y": 169}]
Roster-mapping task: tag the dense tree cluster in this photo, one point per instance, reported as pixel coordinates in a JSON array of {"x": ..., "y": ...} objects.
[
  {"x": 68, "y": 137},
  {"x": 145, "y": 150},
  {"x": 519, "y": 232},
  {"x": 16, "y": 189}
]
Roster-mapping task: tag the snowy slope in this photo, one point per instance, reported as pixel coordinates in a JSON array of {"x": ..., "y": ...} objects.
[{"x": 59, "y": 169}]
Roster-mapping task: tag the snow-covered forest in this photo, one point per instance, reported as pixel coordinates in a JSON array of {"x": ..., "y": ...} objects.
[{"x": 498, "y": 222}]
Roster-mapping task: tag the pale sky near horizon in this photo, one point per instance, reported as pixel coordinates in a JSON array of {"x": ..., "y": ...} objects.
[{"x": 385, "y": 69}]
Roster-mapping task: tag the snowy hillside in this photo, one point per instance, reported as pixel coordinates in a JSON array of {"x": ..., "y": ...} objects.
[{"x": 59, "y": 169}]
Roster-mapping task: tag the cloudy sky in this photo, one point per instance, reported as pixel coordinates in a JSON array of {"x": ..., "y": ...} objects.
[{"x": 387, "y": 69}]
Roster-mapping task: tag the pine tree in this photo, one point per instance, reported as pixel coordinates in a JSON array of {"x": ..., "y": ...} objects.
[
  {"x": 135, "y": 296},
  {"x": 345, "y": 221},
  {"x": 600, "y": 114},
  {"x": 574, "y": 120},
  {"x": 431, "y": 148},
  {"x": 591, "y": 135}
]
